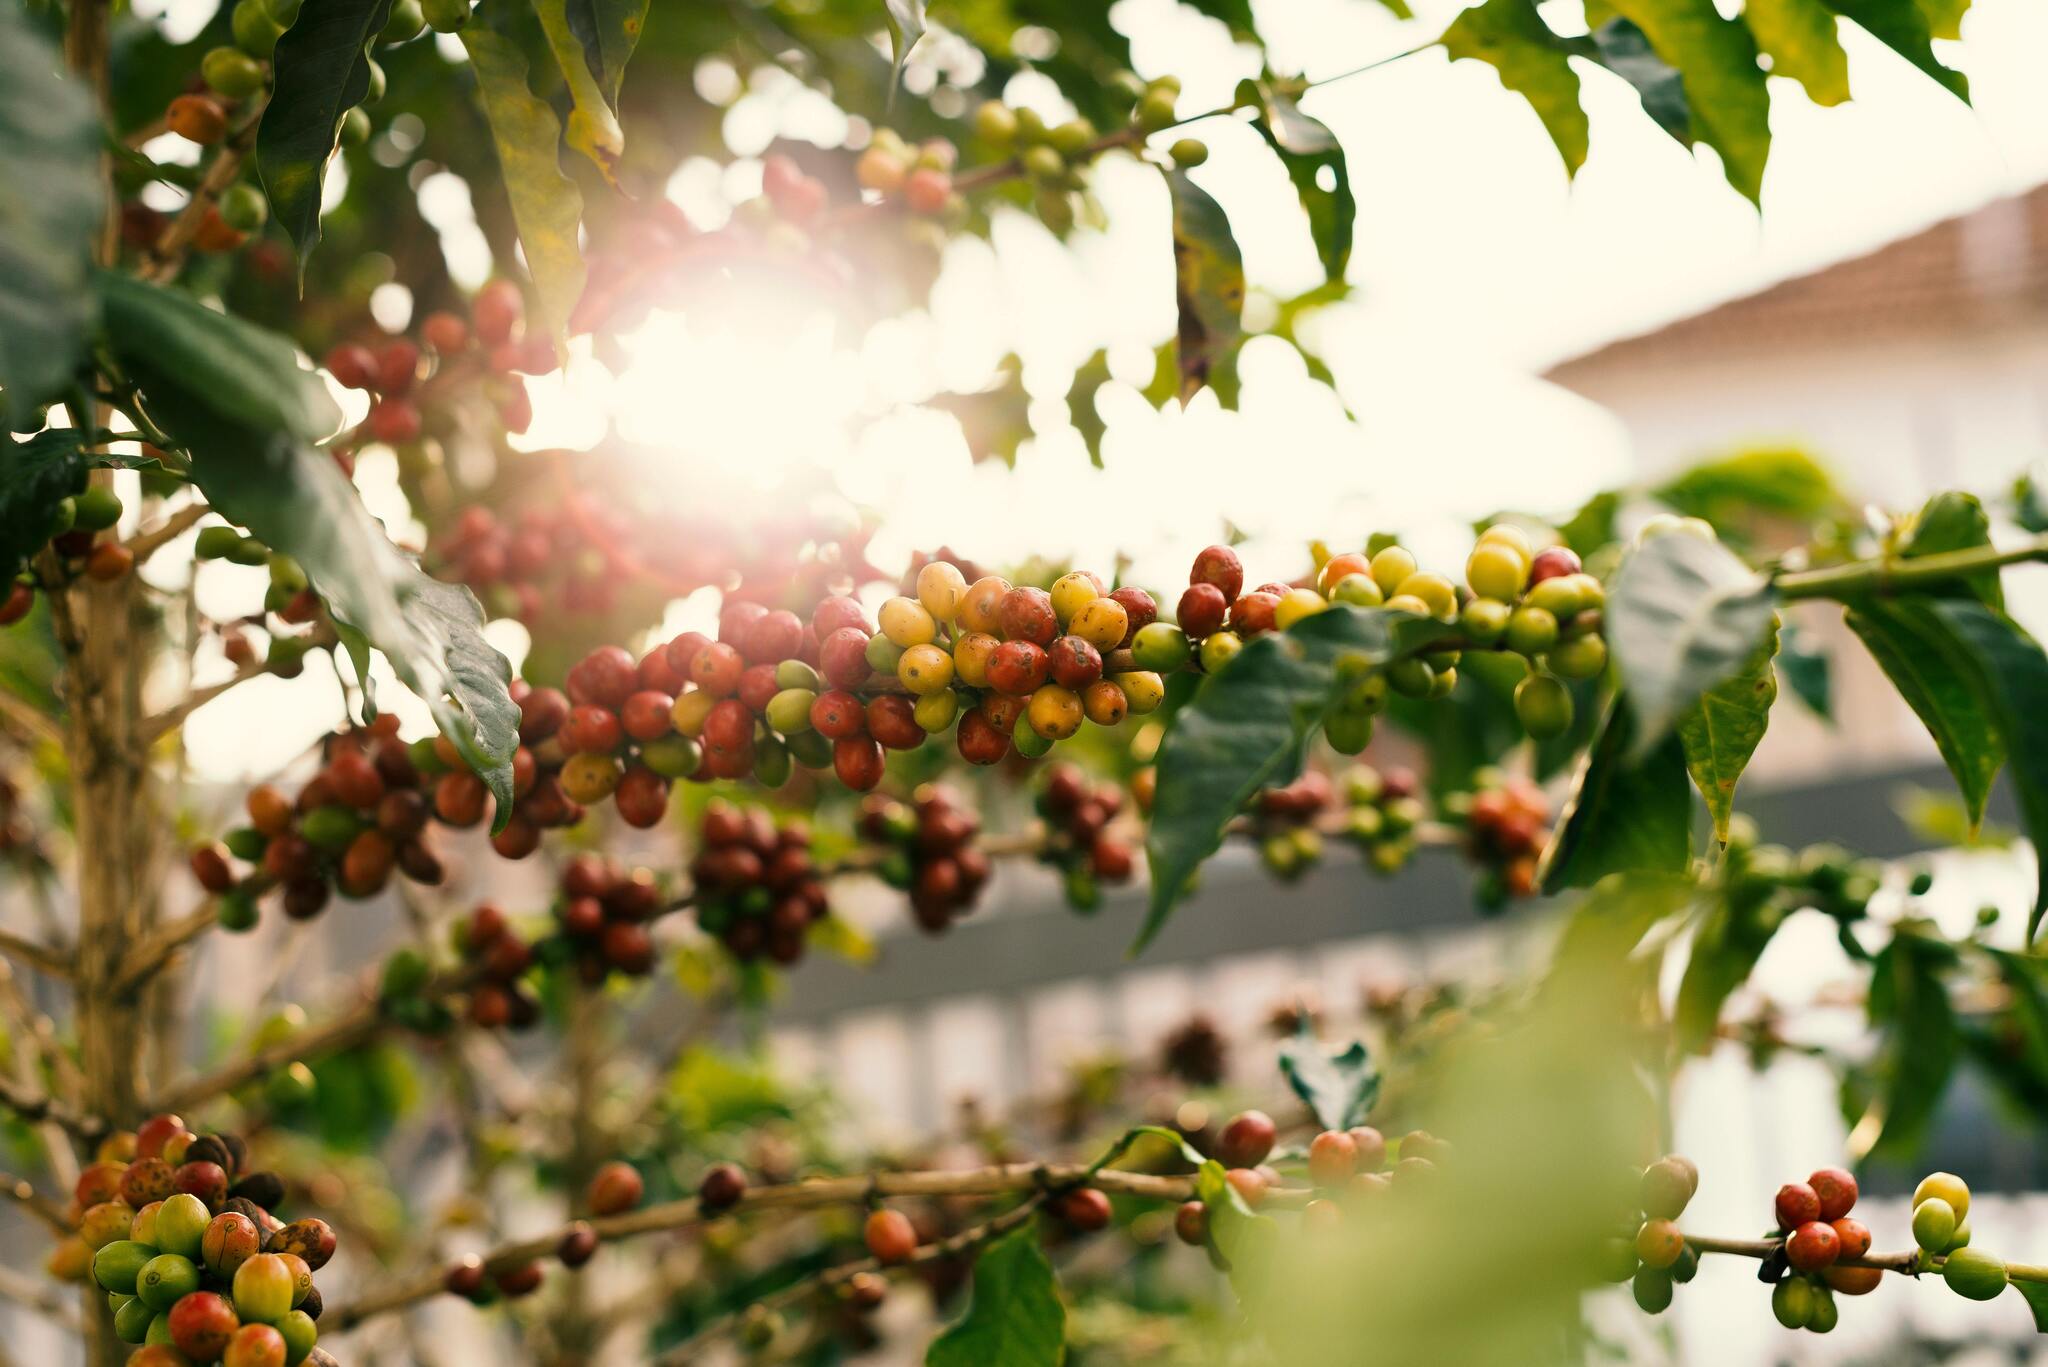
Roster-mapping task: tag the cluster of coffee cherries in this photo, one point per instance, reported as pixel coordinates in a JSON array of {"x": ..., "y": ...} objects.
[
  {"x": 1079, "y": 816},
  {"x": 920, "y": 177},
  {"x": 1284, "y": 824},
  {"x": 73, "y": 536},
  {"x": 492, "y": 346},
  {"x": 575, "y": 556},
  {"x": 1941, "y": 1228},
  {"x": 757, "y": 889},
  {"x": 602, "y": 913},
  {"x": 1819, "y": 1234},
  {"x": 195, "y": 1267},
  {"x": 1349, "y": 1168},
  {"x": 1382, "y": 810},
  {"x": 1507, "y": 821},
  {"x": 362, "y": 816},
  {"x": 1053, "y": 157},
  {"x": 500, "y": 957},
  {"x": 1656, "y": 1256},
  {"x": 929, "y": 850}
]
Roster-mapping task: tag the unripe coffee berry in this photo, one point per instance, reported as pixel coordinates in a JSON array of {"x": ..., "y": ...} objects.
[
  {"x": 1495, "y": 570},
  {"x": 940, "y": 588},
  {"x": 1332, "y": 1158},
  {"x": 1949, "y": 1188},
  {"x": 1544, "y": 706},
  {"x": 1658, "y": 1243}
]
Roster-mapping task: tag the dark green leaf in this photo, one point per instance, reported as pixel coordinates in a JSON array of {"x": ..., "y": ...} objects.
[
  {"x": 1511, "y": 37},
  {"x": 1800, "y": 39},
  {"x": 1910, "y": 1011},
  {"x": 1903, "y": 26},
  {"x": 320, "y": 71},
  {"x": 1016, "y": 1318},
  {"x": 1955, "y": 522},
  {"x": 906, "y": 26},
  {"x": 1930, "y": 667},
  {"x": 1808, "y": 668},
  {"x": 2012, "y": 679},
  {"x": 1248, "y": 727},
  {"x": 2010, "y": 1043},
  {"x": 1208, "y": 286},
  {"x": 35, "y": 476},
  {"x": 51, "y": 207},
  {"x": 1626, "y": 814},
  {"x": 1592, "y": 526},
  {"x": 2036, "y": 1296},
  {"x": 1726, "y": 945},
  {"x": 1945, "y": 17},
  {"x": 1683, "y": 613},
  {"x": 593, "y": 127},
  {"x": 1724, "y": 729},
  {"x": 1338, "y": 1088},
  {"x": 245, "y": 373},
  {"x": 1625, "y": 50},
  {"x": 1723, "y": 84},
  {"x": 1310, "y": 153},
  {"x": 546, "y": 204},
  {"x": 608, "y": 31},
  {"x": 1088, "y": 381},
  {"x": 1773, "y": 481}
]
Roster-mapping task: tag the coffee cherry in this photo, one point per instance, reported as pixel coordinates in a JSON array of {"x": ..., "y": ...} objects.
[
  {"x": 1812, "y": 1246},
  {"x": 940, "y": 588},
  {"x": 1836, "y": 1188},
  {"x": 615, "y": 1187},
  {"x": 1854, "y": 1236},
  {"x": 1496, "y": 570},
  {"x": 1085, "y": 1209},
  {"x": 1026, "y": 614},
  {"x": 201, "y": 1325},
  {"x": 254, "y": 1345},
  {"x": 1202, "y": 610},
  {"x": 980, "y": 608},
  {"x": 1219, "y": 650},
  {"x": 1796, "y": 1204},
  {"x": 1551, "y": 562},
  {"x": 906, "y": 622},
  {"x": 925, "y": 669},
  {"x": 197, "y": 118},
  {"x": 1250, "y": 1184},
  {"x": 1102, "y": 623},
  {"x": 1104, "y": 702},
  {"x": 263, "y": 1288},
  {"x": 890, "y": 1236},
  {"x": 1074, "y": 663},
  {"x": 1531, "y": 631},
  {"x": 496, "y": 311},
  {"x": 723, "y": 1186},
  {"x": 1652, "y": 1290},
  {"x": 1191, "y": 1223},
  {"x": 1667, "y": 1186},
  {"x": 1974, "y": 1274},
  {"x": 1017, "y": 667},
  {"x": 1332, "y": 1158},
  {"x": 1246, "y": 1140},
  {"x": 1580, "y": 658},
  {"x": 1948, "y": 1187},
  {"x": 857, "y": 760},
  {"x": 577, "y": 1246},
  {"x": 1217, "y": 565},
  {"x": 230, "y": 1239},
  {"x": 522, "y": 1280},
  {"x": 1543, "y": 705},
  {"x": 1934, "y": 1224},
  {"x": 1853, "y": 1281},
  {"x": 1055, "y": 713},
  {"x": 1658, "y": 1243}
]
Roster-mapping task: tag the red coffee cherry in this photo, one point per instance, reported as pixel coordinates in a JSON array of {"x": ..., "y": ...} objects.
[
  {"x": 723, "y": 1186},
  {"x": 615, "y": 1187},
  {"x": 1191, "y": 1223},
  {"x": 1796, "y": 1204},
  {"x": 1247, "y": 1139},
  {"x": 839, "y": 613},
  {"x": 394, "y": 422},
  {"x": 1254, "y": 613},
  {"x": 1202, "y": 610},
  {"x": 398, "y": 366},
  {"x": 1220, "y": 566},
  {"x": 1085, "y": 1209},
  {"x": 1140, "y": 611},
  {"x": 838, "y": 715},
  {"x": 607, "y": 676},
  {"x": 1855, "y": 1237},
  {"x": 1371, "y": 1146},
  {"x": 979, "y": 739},
  {"x": 1552, "y": 562},
  {"x": 1018, "y": 668},
  {"x": 464, "y": 1277},
  {"x": 445, "y": 333},
  {"x": 519, "y": 1281},
  {"x": 498, "y": 309},
  {"x": 578, "y": 1245},
  {"x": 892, "y": 720},
  {"x": 890, "y": 1236},
  {"x": 1251, "y": 1185},
  {"x": 210, "y": 866},
  {"x": 646, "y": 715},
  {"x": 843, "y": 657},
  {"x": 1813, "y": 1246},
  {"x": 353, "y": 366},
  {"x": 857, "y": 761},
  {"x": 1836, "y": 1188},
  {"x": 1072, "y": 662},
  {"x": 1026, "y": 614}
]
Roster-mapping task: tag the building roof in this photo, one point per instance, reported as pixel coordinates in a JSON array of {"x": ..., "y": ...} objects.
[{"x": 1984, "y": 269}]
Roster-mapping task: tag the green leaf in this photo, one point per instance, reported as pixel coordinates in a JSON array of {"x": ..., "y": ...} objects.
[
  {"x": 2036, "y": 1296},
  {"x": 246, "y": 373},
  {"x": 1930, "y": 667},
  {"x": 1726, "y": 945},
  {"x": 1905, "y": 28},
  {"x": 996, "y": 418},
  {"x": 1235, "y": 1231},
  {"x": 546, "y": 205},
  {"x": 608, "y": 31},
  {"x": 1248, "y": 727},
  {"x": 1338, "y": 1088},
  {"x": 1015, "y": 1319},
  {"x": 251, "y": 459},
  {"x": 1511, "y": 37},
  {"x": 1173, "y": 1139},
  {"x": 1809, "y": 669},
  {"x": 2012, "y": 680},
  {"x": 35, "y": 476},
  {"x": 1626, "y": 813},
  {"x": 906, "y": 26},
  {"x": 1724, "y": 729},
  {"x": 1800, "y": 39},
  {"x": 1723, "y": 84},
  {"x": 1089, "y": 378},
  {"x": 1236, "y": 14},
  {"x": 1625, "y": 50},
  {"x": 1208, "y": 287},
  {"x": 1311, "y": 154},
  {"x": 1683, "y": 613},
  {"x": 1955, "y": 522},
  {"x": 1945, "y": 17},
  {"x": 593, "y": 127},
  {"x": 1910, "y": 1011},
  {"x": 51, "y": 208},
  {"x": 320, "y": 71},
  {"x": 1774, "y": 481}
]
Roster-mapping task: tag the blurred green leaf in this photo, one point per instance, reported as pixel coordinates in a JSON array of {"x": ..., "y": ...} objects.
[
  {"x": 608, "y": 31},
  {"x": 1800, "y": 39},
  {"x": 1726, "y": 944},
  {"x": 1236, "y": 14},
  {"x": 593, "y": 127},
  {"x": 320, "y": 71},
  {"x": 1724, "y": 728},
  {"x": 1683, "y": 614},
  {"x": 1945, "y": 17},
  {"x": 35, "y": 476},
  {"x": 1209, "y": 290},
  {"x": 1723, "y": 85},
  {"x": 51, "y": 207},
  {"x": 1338, "y": 1088},
  {"x": 1955, "y": 522},
  {"x": 1311, "y": 154},
  {"x": 1911, "y": 1013},
  {"x": 1904, "y": 27},
  {"x": 545, "y": 203},
  {"x": 2036, "y": 1296},
  {"x": 1627, "y": 813},
  {"x": 906, "y": 26},
  {"x": 1511, "y": 37},
  {"x": 1929, "y": 665},
  {"x": 1775, "y": 481},
  {"x": 1625, "y": 50},
  {"x": 1809, "y": 669},
  {"x": 1942, "y": 819},
  {"x": 995, "y": 418},
  {"x": 1015, "y": 1319}
]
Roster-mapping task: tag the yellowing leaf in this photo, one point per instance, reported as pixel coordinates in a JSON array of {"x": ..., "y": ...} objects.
[{"x": 593, "y": 128}]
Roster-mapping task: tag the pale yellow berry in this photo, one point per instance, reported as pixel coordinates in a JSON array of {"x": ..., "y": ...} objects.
[{"x": 907, "y": 622}]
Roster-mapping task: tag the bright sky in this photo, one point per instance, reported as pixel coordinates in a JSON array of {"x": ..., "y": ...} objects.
[{"x": 1476, "y": 265}]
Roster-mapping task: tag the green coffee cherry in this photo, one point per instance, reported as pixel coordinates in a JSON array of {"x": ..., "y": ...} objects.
[
  {"x": 1824, "y": 1315},
  {"x": 249, "y": 551},
  {"x": 1652, "y": 1288},
  {"x": 95, "y": 510},
  {"x": 1483, "y": 620},
  {"x": 1156, "y": 110},
  {"x": 236, "y": 911},
  {"x": 256, "y": 33},
  {"x": 1974, "y": 1274},
  {"x": 355, "y": 128},
  {"x": 1349, "y": 730},
  {"x": 771, "y": 762},
  {"x": 243, "y": 208},
  {"x": 995, "y": 123},
  {"x": 1792, "y": 1302},
  {"x": 1028, "y": 742},
  {"x": 1043, "y": 163},
  {"x": 1531, "y": 631},
  {"x": 1582, "y": 658},
  {"x": 1072, "y": 138},
  {"x": 1934, "y": 1224},
  {"x": 1411, "y": 677},
  {"x": 405, "y": 23},
  {"x": 1161, "y": 647},
  {"x": 405, "y": 973},
  {"x": 790, "y": 710},
  {"x": 1357, "y": 590},
  {"x": 1188, "y": 153},
  {"x": 165, "y": 1279},
  {"x": 131, "y": 1319},
  {"x": 674, "y": 756},
  {"x": 116, "y": 1266},
  {"x": 1219, "y": 649}
]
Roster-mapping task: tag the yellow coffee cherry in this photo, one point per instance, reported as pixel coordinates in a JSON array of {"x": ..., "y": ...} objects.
[
  {"x": 906, "y": 622},
  {"x": 1296, "y": 604},
  {"x": 925, "y": 669},
  {"x": 1496, "y": 570},
  {"x": 1408, "y": 602},
  {"x": 935, "y": 711},
  {"x": 1357, "y": 590},
  {"x": 1945, "y": 1186},
  {"x": 1143, "y": 690},
  {"x": 1440, "y": 593},
  {"x": 1055, "y": 712},
  {"x": 1104, "y": 702},
  {"x": 589, "y": 778},
  {"x": 1072, "y": 592},
  {"x": 689, "y": 712},
  {"x": 940, "y": 587},
  {"x": 977, "y": 610},
  {"x": 1390, "y": 567},
  {"x": 1101, "y": 622},
  {"x": 970, "y": 657},
  {"x": 1508, "y": 534}
]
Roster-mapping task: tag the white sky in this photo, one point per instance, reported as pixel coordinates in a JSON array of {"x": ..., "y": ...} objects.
[{"x": 1476, "y": 265}]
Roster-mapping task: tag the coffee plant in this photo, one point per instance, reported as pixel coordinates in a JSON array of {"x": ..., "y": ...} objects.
[{"x": 202, "y": 233}]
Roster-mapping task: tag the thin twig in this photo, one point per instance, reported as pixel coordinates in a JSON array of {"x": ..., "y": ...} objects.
[
  {"x": 168, "y": 255},
  {"x": 28, "y": 721},
  {"x": 147, "y": 956},
  {"x": 32, "y": 1105},
  {"x": 350, "y": 1028},
  {"x": 45, "y": 959},
  {"x": 151, "y": 540},
  {"x": 20, "y": 1191},
  {"x": 171, "y": 718}
]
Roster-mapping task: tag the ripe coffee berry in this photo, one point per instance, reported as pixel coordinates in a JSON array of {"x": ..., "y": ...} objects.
[
  {"x": 1797, "y": 1204},
  {"x": 1249, "y": 1136},
  {"x": 1659, "y": 1244},
  {"x": 723, "y": 1186},
  {"x": 577, "y": 1246},
  {"x": 1219, "y": 566},
  {"x": 890, "y": 1236},
  {"x": 1812, "y": 1246},
  {"x": 615, "y": 1187},
  {"x": 1085, "y": 1209},
  {"x": 1191, "y": 1223},
  {"x": 1836, "y": 1188}
]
